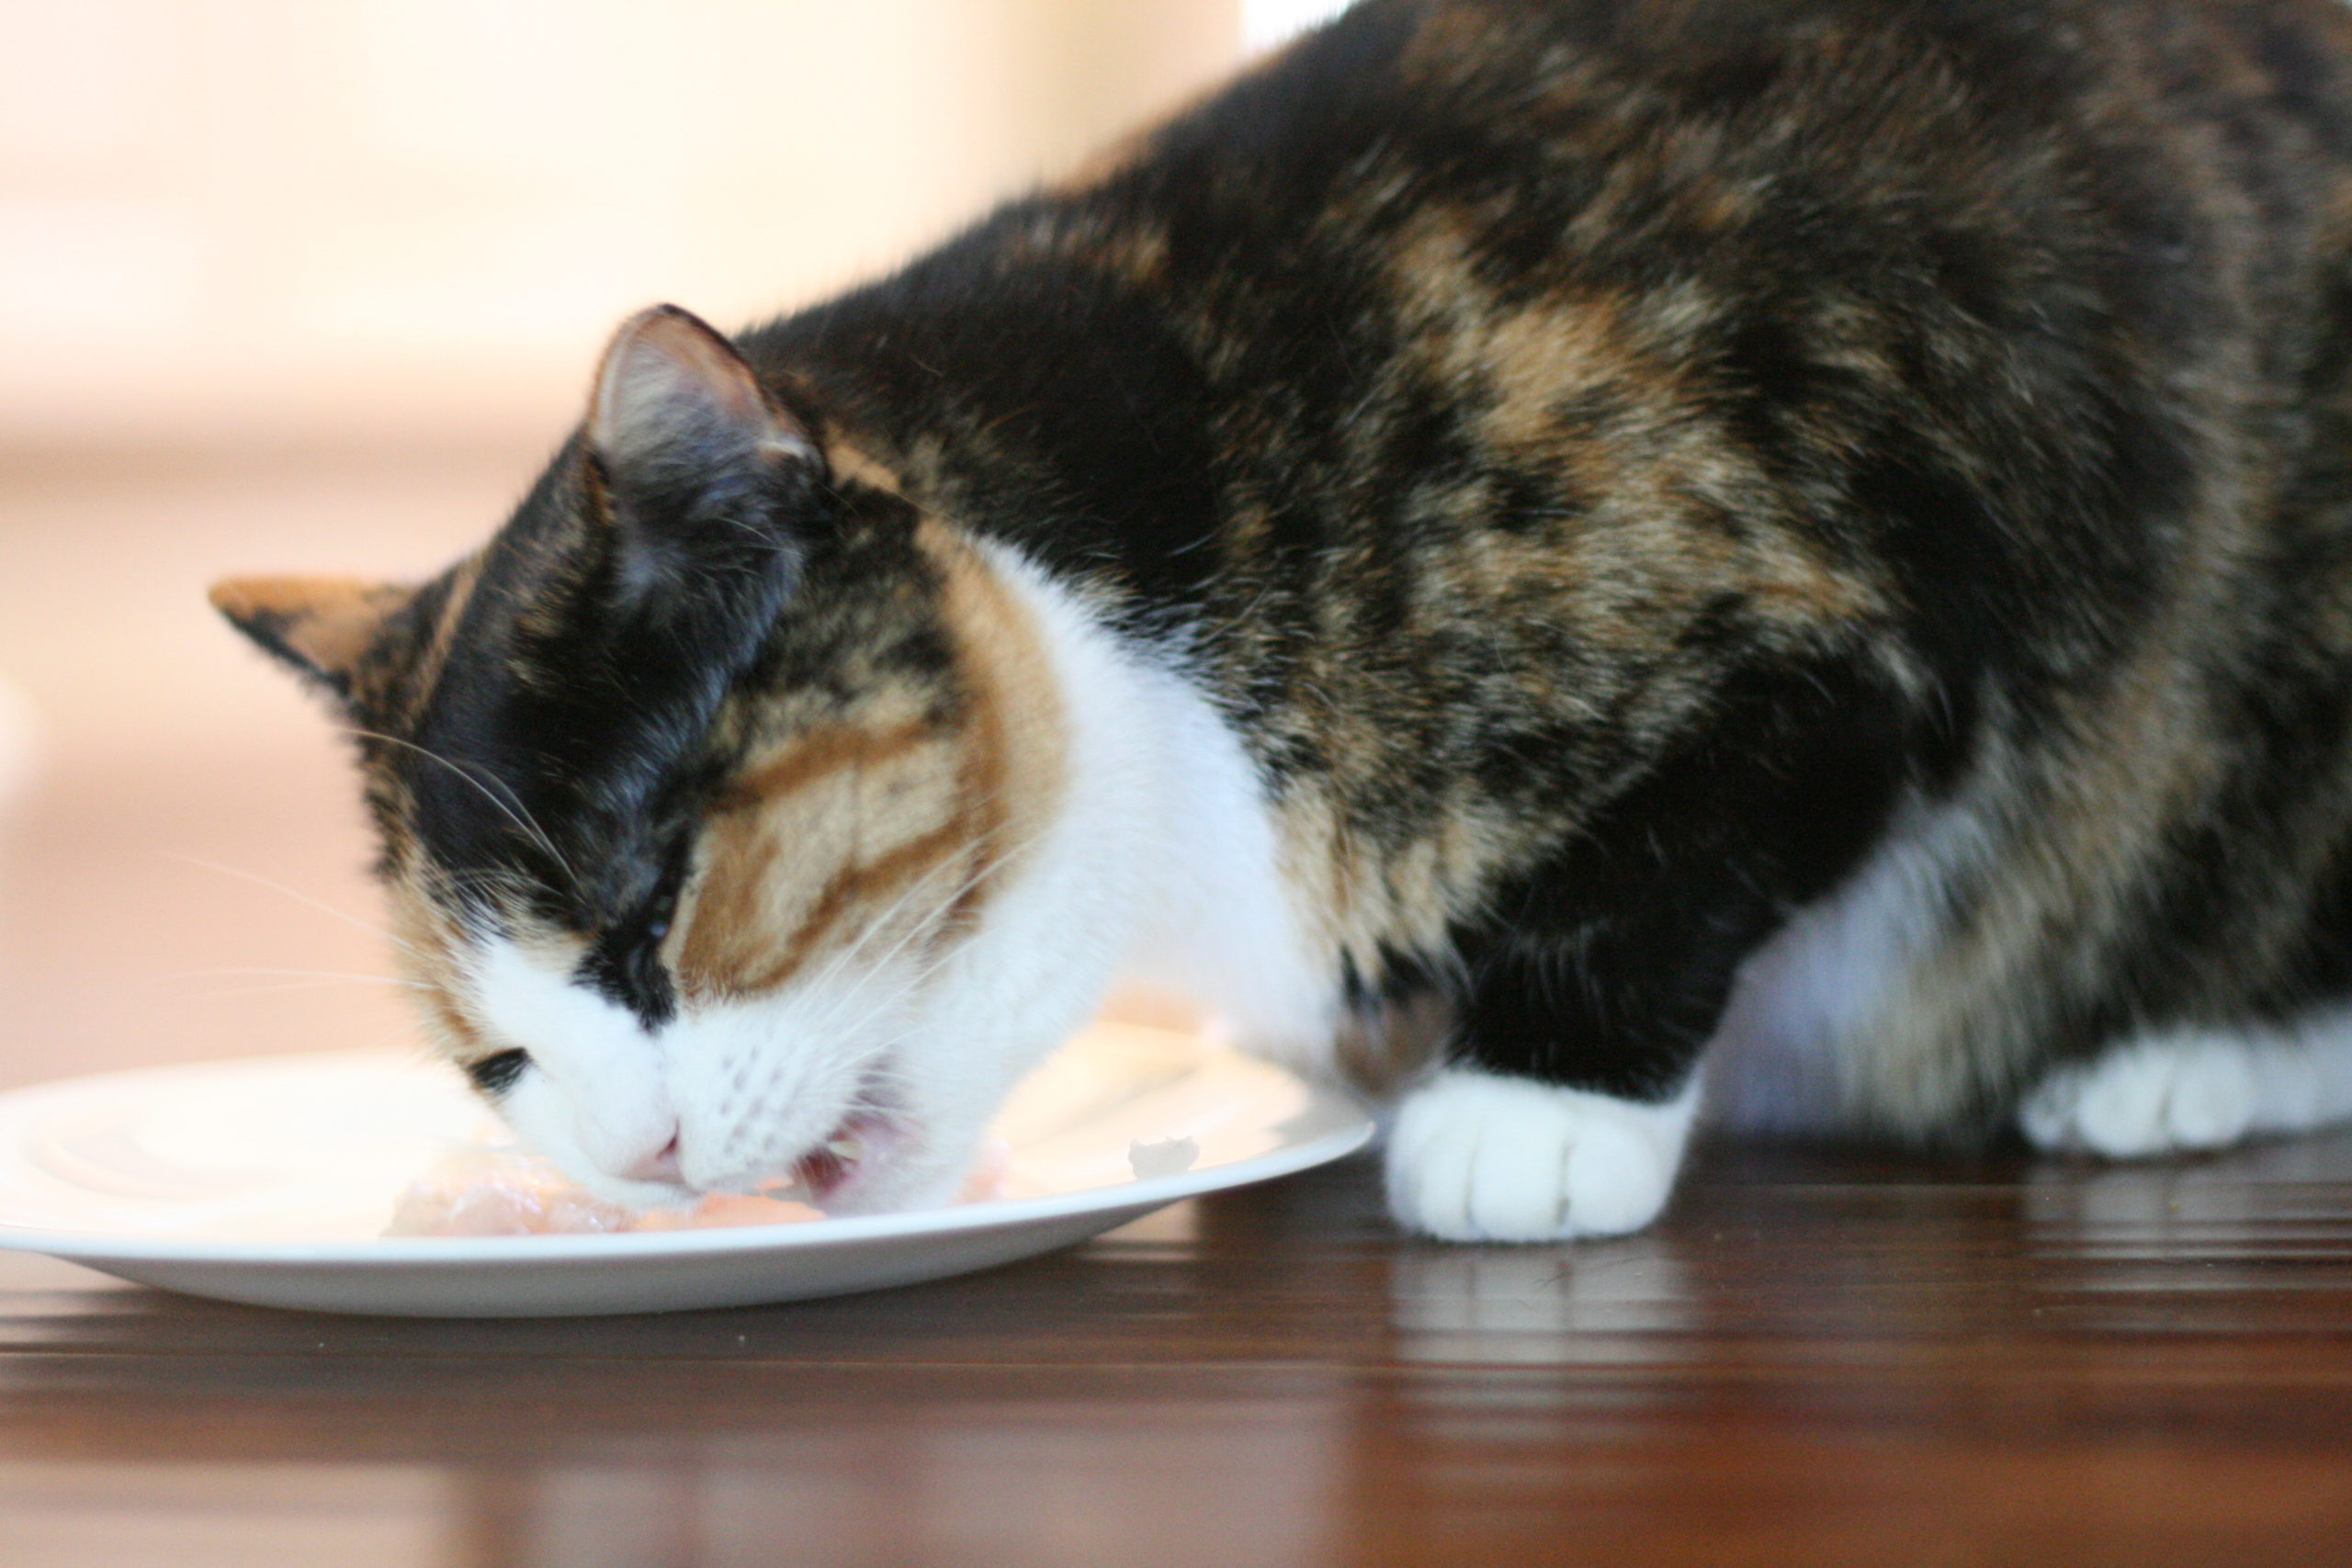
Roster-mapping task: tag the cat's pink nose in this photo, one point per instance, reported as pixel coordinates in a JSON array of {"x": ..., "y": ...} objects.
[{"x": 660, "y": 1165}]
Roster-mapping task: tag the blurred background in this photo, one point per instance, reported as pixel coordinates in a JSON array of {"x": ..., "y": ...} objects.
[{"x": 314, "y": 284}]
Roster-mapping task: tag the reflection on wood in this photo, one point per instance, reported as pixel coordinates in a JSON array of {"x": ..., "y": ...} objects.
[{"x": 1818, "y": 1359}]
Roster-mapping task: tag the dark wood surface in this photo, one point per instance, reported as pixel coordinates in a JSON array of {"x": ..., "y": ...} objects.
[{"x": 1817, "y": 1358}]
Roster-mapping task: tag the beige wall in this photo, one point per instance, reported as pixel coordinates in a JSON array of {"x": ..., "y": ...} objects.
[
  {"x": 224, "y": 216},
  {"x": 314, "y": 284}
]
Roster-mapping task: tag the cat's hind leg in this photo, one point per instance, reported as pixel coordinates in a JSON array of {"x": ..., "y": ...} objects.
[{"x": 2197, "y": 1088}]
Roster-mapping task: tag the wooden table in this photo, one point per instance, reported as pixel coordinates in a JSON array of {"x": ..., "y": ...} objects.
[{"x": 1816, "y": 1359}]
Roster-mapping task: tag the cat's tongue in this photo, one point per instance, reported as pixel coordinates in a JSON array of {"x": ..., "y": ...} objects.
[{"x": 823, "y": 1170}]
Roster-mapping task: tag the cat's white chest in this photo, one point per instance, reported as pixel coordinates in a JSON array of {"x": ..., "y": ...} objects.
[
  {"x": 1184, "y": 849},
  {"x": 1221, "y": 924}
]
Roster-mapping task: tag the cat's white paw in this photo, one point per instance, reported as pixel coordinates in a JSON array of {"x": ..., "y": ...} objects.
[
  {"x": 2152, "y": 1097},
  {"x": 1477, "y": 1157}
]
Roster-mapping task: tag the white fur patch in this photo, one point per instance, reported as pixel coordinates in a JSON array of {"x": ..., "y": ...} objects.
[
  {"x": 2196, "y": 1089},
  {"x": 1217, "y": 924},
  {"x": 1179, "y": 861},
  {"x": 1474, "y": 1156},
  {"x": 1810, "y": 995}
]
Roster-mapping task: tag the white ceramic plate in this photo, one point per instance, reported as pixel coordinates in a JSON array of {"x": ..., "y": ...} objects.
[{"x": 272, "y": 1180}]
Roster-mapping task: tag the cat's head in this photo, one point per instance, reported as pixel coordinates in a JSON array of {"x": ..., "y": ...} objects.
[{"x": 702, "y": 789}]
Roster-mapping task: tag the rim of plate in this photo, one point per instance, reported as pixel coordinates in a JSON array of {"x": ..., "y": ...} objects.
[{"x": 1354, "y": 1130}]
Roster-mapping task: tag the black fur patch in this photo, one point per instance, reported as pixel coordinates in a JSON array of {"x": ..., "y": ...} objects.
[{"x": 496, "y": 1073}]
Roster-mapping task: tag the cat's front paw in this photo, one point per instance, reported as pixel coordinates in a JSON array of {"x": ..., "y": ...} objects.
[
  {"x": 2152, "y": 1097},
  {"x": 1477, "y": 1157}
]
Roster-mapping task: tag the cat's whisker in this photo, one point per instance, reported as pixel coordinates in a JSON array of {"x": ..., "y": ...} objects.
[
  {"x": 297, "y": 974},
  {"x": 318, "y": 976},
  {"x": 482, "y": 884},
  {"x": 425, "y": 1053},
  {"x": 923, "y": 973},
  {"x": 874, "y": 1008},
  {"x": 973, "y": 878},
  {"x": 235, "y": 991},
  {"x": 516, "y": 812},
  {"x": 879, "y": 923},
  {"x": 851, "y": 1030},
  {"x": 304, "y": 898}
]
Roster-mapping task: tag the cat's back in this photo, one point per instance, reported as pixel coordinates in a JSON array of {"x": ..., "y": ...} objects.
[
  {"x": 2037, "y": 59},
  {"x": 1816, "y": 104},
  {"x": 2025, "y": 165},
  {"x": 1910, "y": 286}
]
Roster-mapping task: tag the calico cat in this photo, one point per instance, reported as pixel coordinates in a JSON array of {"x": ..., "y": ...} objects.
[{"x": 1555, "y": 556}]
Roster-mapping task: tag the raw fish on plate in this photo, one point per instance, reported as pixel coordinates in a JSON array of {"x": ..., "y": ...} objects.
[{"x": 488, "y": 1191}]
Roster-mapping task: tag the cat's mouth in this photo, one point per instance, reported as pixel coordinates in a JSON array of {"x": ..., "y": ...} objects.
[
  {"x": 834, "y": 1165},
  {"x": 872, "y": 1135}
]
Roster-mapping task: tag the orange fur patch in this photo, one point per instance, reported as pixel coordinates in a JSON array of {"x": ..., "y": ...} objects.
[
  {"x": 427, "y": 943},
  {"x": 890, "y": 828}
]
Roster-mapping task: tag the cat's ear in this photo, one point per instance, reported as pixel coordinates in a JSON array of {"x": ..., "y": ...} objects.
[
  {"x": 322, "y": 627},
  {"x": 673, "y": 399}
]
